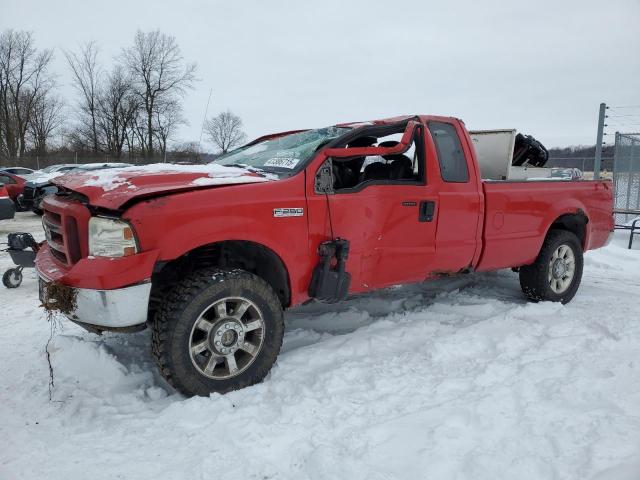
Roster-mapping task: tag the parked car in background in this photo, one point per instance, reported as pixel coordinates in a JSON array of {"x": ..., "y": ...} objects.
[
  {"x": 13, "y": 186},
  {"x": 40, "y": 178},
  {"x": 22, "y": 171},
  {"x": 40, "y": 186},
  {"x": 7, "y": 207},
  {"x": 567, "y": 173}
]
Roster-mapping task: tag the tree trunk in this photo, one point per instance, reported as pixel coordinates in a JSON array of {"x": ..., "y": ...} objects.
[
  {"x": 150, "y": 127},
  {"x": 94, "y": 130}
]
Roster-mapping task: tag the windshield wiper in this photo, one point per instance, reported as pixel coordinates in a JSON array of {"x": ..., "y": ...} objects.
[{"x": 249, "y": 168}]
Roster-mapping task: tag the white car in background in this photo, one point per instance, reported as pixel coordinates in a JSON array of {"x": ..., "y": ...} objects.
[
  {"x": 567, "y": 173},
  {"x": 20, "y": 171}
]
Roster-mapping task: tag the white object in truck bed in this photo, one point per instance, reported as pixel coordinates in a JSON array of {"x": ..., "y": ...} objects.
[{"x": 494, "y": 151}]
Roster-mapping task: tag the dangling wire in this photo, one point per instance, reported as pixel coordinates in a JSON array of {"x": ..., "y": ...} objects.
[{"x": 326, "y": 196}]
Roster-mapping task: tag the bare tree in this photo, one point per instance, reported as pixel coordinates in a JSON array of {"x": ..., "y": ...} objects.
[
  {"x": 136, "y": 133},
  {"x": 225, "y": 130},
  {"x": 86, "y": 79},
  {"x": 45, "y": 119},
  {"x": 159, "y": 73},
  {"x": 23, "y": 78},
  {"x": 116, "y": 112},
  {"x": 168, "y": 116}
]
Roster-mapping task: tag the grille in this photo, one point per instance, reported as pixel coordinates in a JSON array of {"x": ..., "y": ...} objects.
[
  {"x": 60, "y": 221},
  {"x": 29, "y": 193}
]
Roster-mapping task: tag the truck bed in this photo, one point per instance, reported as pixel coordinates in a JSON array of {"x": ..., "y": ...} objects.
[{"x": 518, "y": 214}]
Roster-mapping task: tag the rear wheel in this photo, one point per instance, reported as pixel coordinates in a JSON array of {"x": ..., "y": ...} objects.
[
  {"x": 218, "y": 331},
  {"x": 556, "y": 274}
]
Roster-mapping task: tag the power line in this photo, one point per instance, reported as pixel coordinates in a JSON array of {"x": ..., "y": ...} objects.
[
  {"x": 625, "y": 124},
  {"x": 621, "y": 116},
  {"x": 622, "y": 124}
]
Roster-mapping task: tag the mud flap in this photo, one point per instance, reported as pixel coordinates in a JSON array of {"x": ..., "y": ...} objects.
[{"x": 329, "y": 283}]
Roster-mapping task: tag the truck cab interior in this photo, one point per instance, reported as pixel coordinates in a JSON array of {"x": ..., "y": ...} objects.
[{"x": 353, "y": 173}]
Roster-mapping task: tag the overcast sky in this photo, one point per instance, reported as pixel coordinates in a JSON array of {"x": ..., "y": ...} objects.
[{"x": 539, "y": 66}]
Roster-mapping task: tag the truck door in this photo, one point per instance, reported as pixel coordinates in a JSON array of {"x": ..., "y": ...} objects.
[
  {"x": 460, "y": 200},
  {"x": 386, "y": 208}
]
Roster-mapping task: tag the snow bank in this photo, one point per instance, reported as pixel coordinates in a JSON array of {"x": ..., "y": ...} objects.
[{"x": 458, "y": 378}]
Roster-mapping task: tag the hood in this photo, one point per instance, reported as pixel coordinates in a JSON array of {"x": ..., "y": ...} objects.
[{"x": 114, "y": 187}]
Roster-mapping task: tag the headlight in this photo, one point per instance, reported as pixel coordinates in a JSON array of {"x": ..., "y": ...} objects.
[{"x": 111, "y": 238}]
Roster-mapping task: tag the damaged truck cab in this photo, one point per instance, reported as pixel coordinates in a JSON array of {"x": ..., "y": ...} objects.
[{"x": 209, "y": 256}]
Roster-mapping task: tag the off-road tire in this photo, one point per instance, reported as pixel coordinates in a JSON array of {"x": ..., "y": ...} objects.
[
  {"x": 172, "y": 327},
  {"x": 12, "y": 278},
  {"x": 534, "y": 278}
]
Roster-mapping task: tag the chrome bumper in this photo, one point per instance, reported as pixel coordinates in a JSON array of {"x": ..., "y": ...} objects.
[{"x": 110, "y": 309}]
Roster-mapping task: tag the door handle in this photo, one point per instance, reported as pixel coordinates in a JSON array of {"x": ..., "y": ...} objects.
[{"x": 427, "y": 211}]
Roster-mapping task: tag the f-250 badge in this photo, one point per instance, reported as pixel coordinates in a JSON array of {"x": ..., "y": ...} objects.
[{"x": 288, "y": 212}]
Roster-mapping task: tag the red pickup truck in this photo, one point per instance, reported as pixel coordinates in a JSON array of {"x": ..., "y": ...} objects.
[{"x": 209, "y": 256}]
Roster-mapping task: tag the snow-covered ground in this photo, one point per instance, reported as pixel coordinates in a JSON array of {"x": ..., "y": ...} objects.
[{"x": 454, "y": 379}]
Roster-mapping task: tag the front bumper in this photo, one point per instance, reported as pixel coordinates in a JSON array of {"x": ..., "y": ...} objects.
[
  {"x": 107, "y": 309},
  {"x": 110, "y": 293}
]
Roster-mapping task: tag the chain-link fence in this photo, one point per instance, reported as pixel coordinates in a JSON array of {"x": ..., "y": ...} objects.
[
  {"x": 36, "y": 162},
  {"x": 626, "y": 174},
  {"x": 585, "y": 164}
]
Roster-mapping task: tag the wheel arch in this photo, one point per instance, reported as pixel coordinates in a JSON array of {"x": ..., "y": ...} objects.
[
  {"x": 247, "y": 255},
  {"x": 576, "y": 222}
]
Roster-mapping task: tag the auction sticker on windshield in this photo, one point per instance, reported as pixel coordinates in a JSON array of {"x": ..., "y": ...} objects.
[{"x": 282, "y": 162}]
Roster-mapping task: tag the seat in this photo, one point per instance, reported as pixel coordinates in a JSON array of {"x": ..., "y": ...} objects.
[
  {"x": 401, "y": 168},
  {"x": 400, "y": 165},
  {"x": 344, "y": 175},
  {"x": 376, "y": 171}
]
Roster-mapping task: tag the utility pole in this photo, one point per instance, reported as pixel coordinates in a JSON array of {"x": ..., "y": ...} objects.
[
  {"x": 598, "y": 159},
  {"x": 206, "y": 110}
]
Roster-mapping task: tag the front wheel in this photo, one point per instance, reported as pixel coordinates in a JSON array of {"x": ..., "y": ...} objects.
[
  {"x": 555, "y": 275},
  {"x": 219, "y": 330}
]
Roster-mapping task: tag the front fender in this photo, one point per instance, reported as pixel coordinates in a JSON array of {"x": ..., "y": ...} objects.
[{"x": 177, "y": 224}]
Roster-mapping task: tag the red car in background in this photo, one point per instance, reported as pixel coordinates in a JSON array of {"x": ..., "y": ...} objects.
[{"x": 13, "y": 184}]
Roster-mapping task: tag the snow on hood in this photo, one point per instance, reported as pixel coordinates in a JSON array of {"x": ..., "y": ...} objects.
[{"x": 111, "y": 188}]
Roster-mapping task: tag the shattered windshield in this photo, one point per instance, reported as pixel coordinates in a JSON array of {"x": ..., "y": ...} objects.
[{"x": 282, "y": 154}]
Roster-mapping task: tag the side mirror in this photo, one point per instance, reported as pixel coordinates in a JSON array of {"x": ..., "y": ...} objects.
[
  {"x": 405, "y": 143},
  {"x": 324, "y": 178}
]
